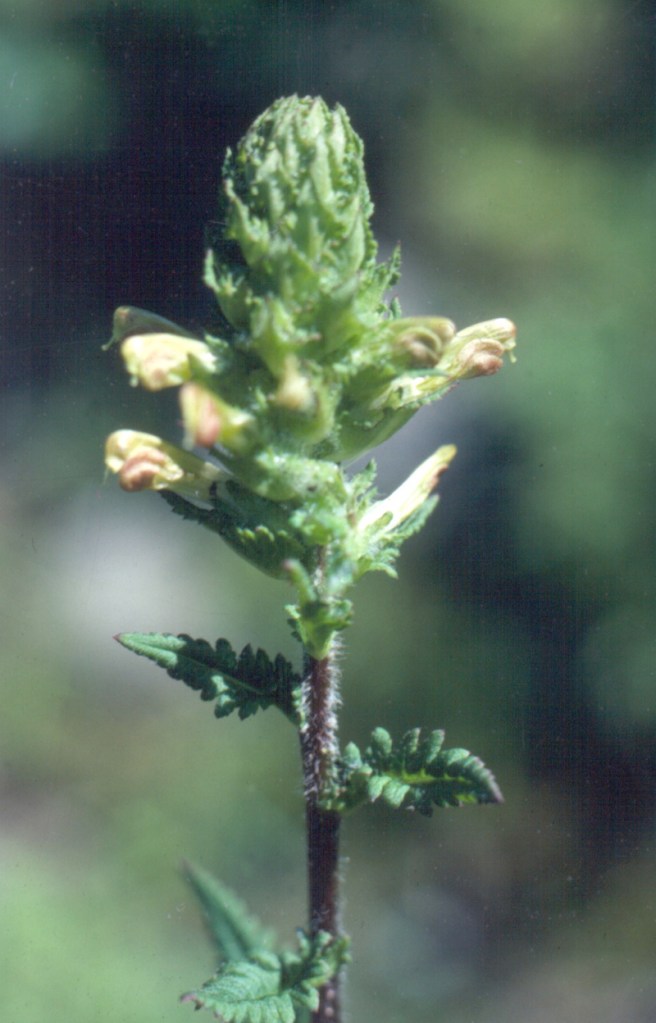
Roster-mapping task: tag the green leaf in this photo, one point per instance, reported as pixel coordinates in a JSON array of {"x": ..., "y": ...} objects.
[
  {"x": 316, "y": 623},
  {"x": 249, "y": 991},
  {"x": 260, "y": 535},
  {"x": 315, "y": 619},
  {"x": 414, "y": 773},
  {"x": 269, "y": 988},
  {"x": 236, "y": 934},
  {"x": 244, "y": 683}
]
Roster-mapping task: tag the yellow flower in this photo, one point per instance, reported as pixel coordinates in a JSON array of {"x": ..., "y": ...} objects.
[
  {"x": 164, "y": 360},
  {"x": 479, "y": 350},
  {"x": 472, "y": 352},
  {"x": 144, "y": 461},
  {"x": 412, "y": 493}
]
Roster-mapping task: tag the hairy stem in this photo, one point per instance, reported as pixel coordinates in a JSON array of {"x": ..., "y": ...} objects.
[{"x": 319, "y": 749}]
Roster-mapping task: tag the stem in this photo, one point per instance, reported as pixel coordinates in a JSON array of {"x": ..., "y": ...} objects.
[{"x": 319, "y": 749}]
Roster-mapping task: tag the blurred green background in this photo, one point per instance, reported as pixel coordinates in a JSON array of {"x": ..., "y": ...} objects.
[{"x": 510, "y": 148}]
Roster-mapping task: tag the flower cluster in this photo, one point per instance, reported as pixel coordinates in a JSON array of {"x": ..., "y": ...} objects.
[{"x": 313, "y": 365}]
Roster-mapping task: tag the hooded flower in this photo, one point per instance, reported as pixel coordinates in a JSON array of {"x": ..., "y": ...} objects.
[
  {"x": 411, "y": 494},
  {"x": 143, "y": 461},
  {"x": 472, "y": 352},
  {"x": 157, "y": 361}
]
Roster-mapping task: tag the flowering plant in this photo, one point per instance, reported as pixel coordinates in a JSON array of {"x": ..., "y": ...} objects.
[{"x": 311, "y": 366}]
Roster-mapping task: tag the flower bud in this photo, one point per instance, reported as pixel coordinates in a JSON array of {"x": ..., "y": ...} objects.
[
  {"x": 412, "y": 493},
  {"x": 208, "y": 420},
  {"x": 143, "y": 461},
  {"x": 164, "y": 360},
  {"x": 479, "y": 350}
]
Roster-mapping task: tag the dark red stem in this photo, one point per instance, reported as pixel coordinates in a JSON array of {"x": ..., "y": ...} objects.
[{"x": 319, "y": 749}]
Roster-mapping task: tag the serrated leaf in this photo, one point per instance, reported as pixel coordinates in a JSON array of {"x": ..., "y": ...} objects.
[
  {"x": 268, "y": 988},
  {"x": 414, "y": 773},
  {"x": 264, "y": 545},
  {"x": 236, "y": 934},
  {"x": 244, "y": 683},
  {"x": 247, "y": 992}
]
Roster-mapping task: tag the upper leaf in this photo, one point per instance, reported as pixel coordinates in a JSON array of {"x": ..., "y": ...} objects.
[
  {"x": 244, "y": 683},
  {"x": 417, "y": 774},
  {"x": 261, "y": 538}
]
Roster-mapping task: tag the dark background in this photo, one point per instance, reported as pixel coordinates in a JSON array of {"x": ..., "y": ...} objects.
[{"x": 510, "y": 148}]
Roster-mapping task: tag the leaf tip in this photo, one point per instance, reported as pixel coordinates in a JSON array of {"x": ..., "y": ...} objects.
[{"x": 495, "y": 793}]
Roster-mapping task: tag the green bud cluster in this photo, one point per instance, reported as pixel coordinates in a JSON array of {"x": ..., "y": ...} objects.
[
  {"x": 298, "y": 206},
  {"x": 304, "y": 296}
]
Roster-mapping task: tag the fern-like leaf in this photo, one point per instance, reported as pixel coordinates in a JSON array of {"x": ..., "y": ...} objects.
[
  {"x": 266, "y": 546},
  {"x": 414, "y": 773},
  {"x": 249, "y": 991},
  {"x": 244, "y": 683},
  {"x": 269, "y": 988},
  {"x": 234, "y": 931}
]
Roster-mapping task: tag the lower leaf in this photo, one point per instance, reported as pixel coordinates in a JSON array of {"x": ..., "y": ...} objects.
[
  {"x": 247, "y": 992},
  {"x": 269, "y": 988}
]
